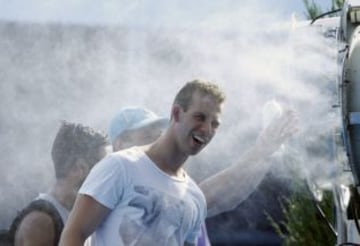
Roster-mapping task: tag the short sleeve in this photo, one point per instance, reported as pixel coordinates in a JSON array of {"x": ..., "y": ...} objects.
[
  {"x": 196, "y": 231},
  {"x": 105, "y": 182}
]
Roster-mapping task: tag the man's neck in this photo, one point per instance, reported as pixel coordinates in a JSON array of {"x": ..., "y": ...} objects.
[
  {"x": 64, "y": 193},
  {"x": 166, "y": 156}
]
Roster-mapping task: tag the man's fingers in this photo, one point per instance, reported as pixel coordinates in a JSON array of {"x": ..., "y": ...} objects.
[
  {"x": 283, "y": 127},
  {"x": 290, "y": 127}
]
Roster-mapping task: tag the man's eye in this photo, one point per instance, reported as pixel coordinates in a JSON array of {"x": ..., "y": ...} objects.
[
  {"x": 200, "y": 117},
  {"x": 215, "y": 124}
]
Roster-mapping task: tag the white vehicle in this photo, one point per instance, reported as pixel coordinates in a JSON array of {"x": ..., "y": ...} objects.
[
  {"x": 346, "y": 28},
  {"x": 349, "y": 92}
]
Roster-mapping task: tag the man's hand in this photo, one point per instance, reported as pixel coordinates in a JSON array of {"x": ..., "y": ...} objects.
[
  {"x": 277, "y": 132},
  {"x": 228, "y": 188}
]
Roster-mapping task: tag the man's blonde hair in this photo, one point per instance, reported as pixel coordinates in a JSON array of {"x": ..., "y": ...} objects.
[{"x": 205, "y": 88}]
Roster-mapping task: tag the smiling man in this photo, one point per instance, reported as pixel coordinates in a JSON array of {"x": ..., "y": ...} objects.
[{"x": 142, "y": 195}]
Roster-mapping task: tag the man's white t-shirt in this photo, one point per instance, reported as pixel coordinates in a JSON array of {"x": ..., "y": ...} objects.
[{"x": 148, "y": 207}]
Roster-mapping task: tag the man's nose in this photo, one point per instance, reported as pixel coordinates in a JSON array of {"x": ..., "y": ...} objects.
[{"x": 207, "y": 128}]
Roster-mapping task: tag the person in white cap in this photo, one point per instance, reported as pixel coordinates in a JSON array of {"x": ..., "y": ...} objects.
[
  {"x": 142, "y": 195},
  {"x": 135, "y": 126}
]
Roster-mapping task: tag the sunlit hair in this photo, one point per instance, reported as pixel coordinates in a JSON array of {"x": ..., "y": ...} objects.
[
  {"x": 205, "y": 88},
  {"x": 75, "y": 141}
]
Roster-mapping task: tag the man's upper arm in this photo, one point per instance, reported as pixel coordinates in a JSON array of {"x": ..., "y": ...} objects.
[
  {"x": 84, "y": 218},
  {"x": 36, "y": 229}
]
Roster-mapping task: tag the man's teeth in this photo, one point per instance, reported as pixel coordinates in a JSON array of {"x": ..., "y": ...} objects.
[{"x": 198, "y": 138}]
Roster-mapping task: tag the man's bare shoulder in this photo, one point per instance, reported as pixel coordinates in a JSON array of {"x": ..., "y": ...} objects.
[{"x": 36, "y": 228}]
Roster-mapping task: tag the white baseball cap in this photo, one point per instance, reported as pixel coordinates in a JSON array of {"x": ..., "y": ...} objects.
[{"x": 131, "y": 118}]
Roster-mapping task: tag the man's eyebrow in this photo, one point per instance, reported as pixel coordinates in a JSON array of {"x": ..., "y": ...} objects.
[{"x": 199, "y": 113}]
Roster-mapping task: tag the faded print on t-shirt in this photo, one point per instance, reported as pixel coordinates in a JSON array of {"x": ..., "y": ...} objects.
[{"x": 161, "y": 218}]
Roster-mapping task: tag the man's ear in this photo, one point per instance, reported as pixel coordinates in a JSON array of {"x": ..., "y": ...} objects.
[
  {"x": 117, "y": 144},
  {"x": 81, "y": 167},
  {"x": 175, "y": 112}
]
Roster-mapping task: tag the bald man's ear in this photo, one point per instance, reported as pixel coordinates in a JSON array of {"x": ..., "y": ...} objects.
[{"x": 117, "y": 144}]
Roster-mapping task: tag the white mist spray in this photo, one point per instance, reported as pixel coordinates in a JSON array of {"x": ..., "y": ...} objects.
[{"x": 86, "y": 73}]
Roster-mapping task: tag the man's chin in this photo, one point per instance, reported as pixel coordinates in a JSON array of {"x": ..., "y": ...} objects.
[{"x": 196, "y": 151}]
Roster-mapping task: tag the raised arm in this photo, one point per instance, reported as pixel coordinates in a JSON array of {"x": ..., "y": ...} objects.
[
  {"x": 228, "y": 188},
  {"x": 84, "y": 218}
]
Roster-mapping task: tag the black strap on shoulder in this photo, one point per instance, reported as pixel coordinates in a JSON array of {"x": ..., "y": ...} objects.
[
  {"x": 42, "y": 206},
  {"x": 5, "y": 238}
]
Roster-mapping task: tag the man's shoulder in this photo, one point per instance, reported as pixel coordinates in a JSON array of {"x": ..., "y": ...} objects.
[
  {"x": 38, "y": 210},
  {"x": 36, "y": 220},
  {"x": 38, "y": 217},
  {"x": 36, "y": 227},
  {"x": 120, "y": 161},
  {"x": 131, "y": 155}
]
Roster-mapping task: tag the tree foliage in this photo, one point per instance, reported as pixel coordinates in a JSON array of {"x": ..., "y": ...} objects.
[
  {"x": 307, "y": 222},
  {"x": 313, "y": 9}
]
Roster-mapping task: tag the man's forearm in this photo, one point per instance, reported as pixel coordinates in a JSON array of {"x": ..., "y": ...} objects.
[
  {"x": 228, "y": 188},
  {"x": 71, "y": 239}
]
